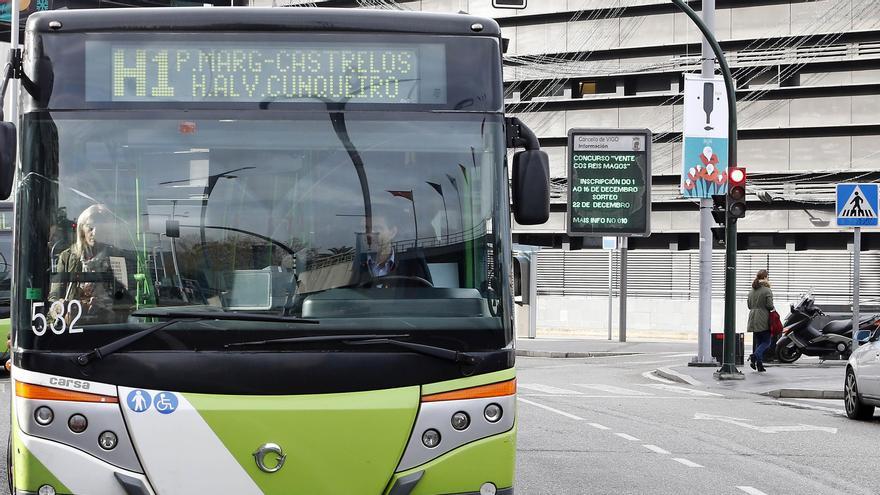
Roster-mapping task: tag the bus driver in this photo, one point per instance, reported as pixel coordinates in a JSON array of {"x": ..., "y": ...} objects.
[{"x": 387, "y": 262}]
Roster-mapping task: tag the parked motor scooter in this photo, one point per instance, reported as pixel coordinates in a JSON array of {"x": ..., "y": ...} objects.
[{"x": 832, "y": 341}]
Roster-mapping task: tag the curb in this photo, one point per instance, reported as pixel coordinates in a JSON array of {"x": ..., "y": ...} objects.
[
  {"x": 560, "y": 354},
  {"x": 676, "y": 376},
  {"x": 801, "y": 393}
]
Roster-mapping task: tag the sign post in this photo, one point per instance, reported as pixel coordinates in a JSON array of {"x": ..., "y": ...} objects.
[
  {"x": 856, "y": 207},
  {"x": 609, "y": 190},
  {"x": 704, "y": 169},
  {"x": 610, "y": 244}
]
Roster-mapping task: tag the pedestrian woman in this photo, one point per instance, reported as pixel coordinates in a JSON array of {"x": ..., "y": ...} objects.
[{"x": 760, "y": 305}]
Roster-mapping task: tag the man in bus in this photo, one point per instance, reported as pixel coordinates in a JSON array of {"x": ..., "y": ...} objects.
[{"x": 388, "y": 266}]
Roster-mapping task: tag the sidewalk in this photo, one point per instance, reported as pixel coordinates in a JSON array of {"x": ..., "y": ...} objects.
[
  {"x": 807, "y": 378},
  {"x": 582, "y": 348}
]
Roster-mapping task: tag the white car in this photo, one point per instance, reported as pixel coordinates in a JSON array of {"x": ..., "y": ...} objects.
[{"x": 861, "y": 391}]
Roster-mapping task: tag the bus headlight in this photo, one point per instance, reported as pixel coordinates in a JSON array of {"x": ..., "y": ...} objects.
[
  {"x": 431, "y": 438},
  {"x": 43, "y": 416},
  {"x": 493, "y": 413},
  {"x": 46, "y": 490},
  {"x": 460, "y": 421},
  {"x": 107, "y": 440},
  {"x": 77, "y": 423}
]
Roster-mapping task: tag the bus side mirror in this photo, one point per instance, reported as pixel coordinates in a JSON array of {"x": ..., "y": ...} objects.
[
  {"x": 531, "y": 187},
  {"x": 8, "y": 145}
]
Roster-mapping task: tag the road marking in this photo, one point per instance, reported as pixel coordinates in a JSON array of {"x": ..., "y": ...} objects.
[
  {"x": 590, "y": 396},
  {"x": 801, "y": 405},
  {"x": 612, "y": 389},
  {"x": 598, "y": 426},
  {"x": 682, "y": 390},
  {"x": 686, "y": 462},
  {"x": 656, "y": 449},
  {"x": 547, "y": 389},
  {"x": 662, "y": 361},
  {"x": 751, "y": 490},
  {"x": 628, "y": 437},
  {"x": 557, "y": 411},
  {"x": 764, "y": 429},
  {"x": 651, "y": 376}
]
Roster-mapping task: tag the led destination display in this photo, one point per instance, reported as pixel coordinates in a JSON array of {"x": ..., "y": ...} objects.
[
  {"x": 265, "y": 72},
  {"x": 609, "y": 183}
]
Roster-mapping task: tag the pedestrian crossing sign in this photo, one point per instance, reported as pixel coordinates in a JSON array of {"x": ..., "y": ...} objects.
[{"x": 857, "y": 205}]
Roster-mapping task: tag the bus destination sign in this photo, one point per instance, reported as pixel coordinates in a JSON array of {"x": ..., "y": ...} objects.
[
  {"x": 265, "y": 72},
  {"x": 609, "y": 182}
]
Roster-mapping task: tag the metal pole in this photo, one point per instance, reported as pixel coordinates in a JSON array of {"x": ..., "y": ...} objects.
[
  {"x": 704, "y": 325},
  {"x": 621, "y": 334},
  {"x": 728, "y": 369},
  {"x": 446, "y": 213},
  {"x": 610, "y": 291},
  {"x": 533, "y": 294},
  {"x": 857, "y": 254},
  {"x": 14, "y": 84}
]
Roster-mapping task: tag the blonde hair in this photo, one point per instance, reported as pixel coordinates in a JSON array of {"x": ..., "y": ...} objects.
[{"x": 87, "y": 217}]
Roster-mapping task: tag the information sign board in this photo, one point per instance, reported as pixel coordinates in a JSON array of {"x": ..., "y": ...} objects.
[{"x": 609, "y": 182}]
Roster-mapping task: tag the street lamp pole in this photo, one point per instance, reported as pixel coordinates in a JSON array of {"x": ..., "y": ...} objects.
[{"x": 728, "y": 369}]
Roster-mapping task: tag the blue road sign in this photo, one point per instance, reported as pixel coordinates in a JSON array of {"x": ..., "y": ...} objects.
[{"x": 857, "y": 205}]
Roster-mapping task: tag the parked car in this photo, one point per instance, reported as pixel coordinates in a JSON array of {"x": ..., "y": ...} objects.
[{"x": 861, "y": 392}]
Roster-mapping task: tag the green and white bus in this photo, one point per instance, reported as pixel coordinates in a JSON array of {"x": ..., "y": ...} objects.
[{"x": 264, "y": 251}]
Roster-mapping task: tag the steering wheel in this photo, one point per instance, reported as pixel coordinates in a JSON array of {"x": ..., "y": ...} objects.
[{"x": 398, "y": 281}]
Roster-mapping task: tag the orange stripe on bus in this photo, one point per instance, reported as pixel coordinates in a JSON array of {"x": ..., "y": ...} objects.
[
  {"x": 483, "y": 391},
  {"x": 31, "y": 391}
]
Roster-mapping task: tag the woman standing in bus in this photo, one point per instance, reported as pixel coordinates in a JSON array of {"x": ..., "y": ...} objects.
[
  {"x": 84, "y": 272},
  {"x": 760, "y": 305}
]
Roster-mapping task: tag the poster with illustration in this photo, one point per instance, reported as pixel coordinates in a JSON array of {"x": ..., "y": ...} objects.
[
  {"x": 704, "y": 152},
  {"x": 705, "y": 167}
]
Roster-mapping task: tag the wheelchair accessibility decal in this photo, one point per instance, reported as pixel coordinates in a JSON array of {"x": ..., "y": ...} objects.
[
  {"x": 165, "y": 403},
  {"x": 140, "y": 401}
]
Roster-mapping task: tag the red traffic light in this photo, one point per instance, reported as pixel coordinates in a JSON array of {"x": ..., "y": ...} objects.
[
  {"x": 736, "y": 176},
  {"x": 736, "y": 192}
]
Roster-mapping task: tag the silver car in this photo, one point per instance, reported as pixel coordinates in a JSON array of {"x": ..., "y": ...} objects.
[{"x": 861, "y": 392}]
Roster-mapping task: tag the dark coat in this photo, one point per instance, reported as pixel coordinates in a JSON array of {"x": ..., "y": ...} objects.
[
  {"x": 95, "y": 287},
  {"x": 760, "y": 304},
  {"x": 410, "y": 263}
]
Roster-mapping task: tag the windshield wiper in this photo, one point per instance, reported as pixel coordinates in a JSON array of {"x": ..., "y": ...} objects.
[
  {"x": 428, "y": 350},
  {"x": 221, "y": 315},
  {"x": 362, "y": 339},
  {"x": 177, "y": 316}
]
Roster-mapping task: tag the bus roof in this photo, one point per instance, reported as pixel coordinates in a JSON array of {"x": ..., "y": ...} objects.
[{"x": 267, "y": 19}]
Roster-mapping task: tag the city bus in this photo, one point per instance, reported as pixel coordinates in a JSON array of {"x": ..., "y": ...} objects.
[
  {"x": 264, "y": 251},
  {"x": 5, "y": 278}
]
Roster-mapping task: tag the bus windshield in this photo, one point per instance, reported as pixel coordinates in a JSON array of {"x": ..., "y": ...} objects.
[{"x": 359, "y": 219}]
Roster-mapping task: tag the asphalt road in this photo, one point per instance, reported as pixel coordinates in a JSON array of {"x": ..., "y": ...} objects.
[{"x": 601, "y": 426}]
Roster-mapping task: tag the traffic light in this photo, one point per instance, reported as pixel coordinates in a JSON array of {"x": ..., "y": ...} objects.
[
  {"x": 719, "y": 214},
  {"x": 736, "y": 193}
]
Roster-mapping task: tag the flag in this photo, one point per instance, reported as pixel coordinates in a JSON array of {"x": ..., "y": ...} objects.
[
  {"x": 403, "y": 194},
  {"x": 464, "y": 173},
  {"x": 452, "y": 180},
  {"x": 437, "y": 187}
]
